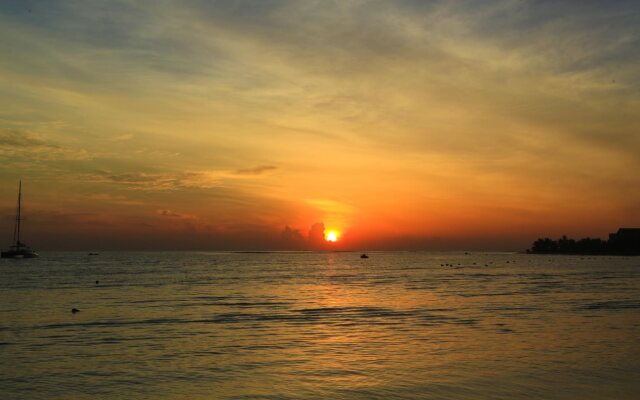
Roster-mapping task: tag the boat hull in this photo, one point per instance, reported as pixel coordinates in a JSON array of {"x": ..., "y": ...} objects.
[{"x": 18, "y": 254}]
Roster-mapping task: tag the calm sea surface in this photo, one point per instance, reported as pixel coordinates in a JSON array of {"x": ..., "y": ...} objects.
[{"x": 319, "y": 326}]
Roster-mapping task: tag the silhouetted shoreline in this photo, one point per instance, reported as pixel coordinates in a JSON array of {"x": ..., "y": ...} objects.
[{"x": 624, "y": 242}]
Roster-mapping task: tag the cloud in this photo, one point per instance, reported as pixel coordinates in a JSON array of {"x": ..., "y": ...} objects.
[
  {"x": 16, "y": 145},
  {"x": 316, "y": 238},
  {"x": 331, "y": 206},
  {"x": 140, "y": 180},
  {"x": 114, "y": 199},
  {"x": 255, "y": 170},
  {"x": 158, "y": 181},
  {"x": 292, "y": 239},
  {"x": 122, "y": 138},
  {"x": 175, "y": 180},
  {"x": 169, "y": 213}
]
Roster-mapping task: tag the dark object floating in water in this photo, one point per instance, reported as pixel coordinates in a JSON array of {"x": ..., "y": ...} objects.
[
  {"x": 364, "y": 256},
  {"x": 97, "y": 282},
  {"x": 74, "y": 310},
  {"x": 93, "y": 254},
  {"x": 18, "y": 249}
]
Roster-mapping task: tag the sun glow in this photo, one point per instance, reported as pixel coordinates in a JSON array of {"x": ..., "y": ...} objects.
[{"x": 331, "y": 236}]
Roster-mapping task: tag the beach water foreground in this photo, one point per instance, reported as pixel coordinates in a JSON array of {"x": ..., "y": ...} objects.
[{"x": 397, "y": 325}]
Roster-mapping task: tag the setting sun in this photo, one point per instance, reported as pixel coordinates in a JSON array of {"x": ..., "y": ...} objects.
[{"x": 331, "y": 236}]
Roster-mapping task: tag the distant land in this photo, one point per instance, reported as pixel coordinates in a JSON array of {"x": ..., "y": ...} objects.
[{"x": 624, "y": 242}]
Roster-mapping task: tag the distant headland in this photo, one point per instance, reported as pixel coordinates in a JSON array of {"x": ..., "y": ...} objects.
[{"x": 624, "y": 242}]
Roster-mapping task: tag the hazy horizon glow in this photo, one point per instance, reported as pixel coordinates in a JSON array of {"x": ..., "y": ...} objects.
[{"x": 252, "y": 125}]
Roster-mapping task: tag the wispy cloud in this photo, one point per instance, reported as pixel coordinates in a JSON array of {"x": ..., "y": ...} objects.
[
  {"x": 114, "y": 199},
  {"x": 169, "y": 213},
  {"x": 255, "y": 170},
  {"x": 154, "y": 181},
  {"x": 16, "y": 145},
  {"x": 176, "y": 180}
]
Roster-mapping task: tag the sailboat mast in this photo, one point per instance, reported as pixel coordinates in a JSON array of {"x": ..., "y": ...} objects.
[{"x": 16, "y": 229}]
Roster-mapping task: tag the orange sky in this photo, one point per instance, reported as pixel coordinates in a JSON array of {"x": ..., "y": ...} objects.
[{"x": 401, "y": 125}]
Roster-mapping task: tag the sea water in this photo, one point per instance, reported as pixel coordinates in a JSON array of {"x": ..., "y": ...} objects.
[{"x": 398, "y": 325}]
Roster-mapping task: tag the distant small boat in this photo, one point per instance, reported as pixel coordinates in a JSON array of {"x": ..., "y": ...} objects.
[
  {"x": 18, "y": 249},
  {"x": 364, "y": 256}
]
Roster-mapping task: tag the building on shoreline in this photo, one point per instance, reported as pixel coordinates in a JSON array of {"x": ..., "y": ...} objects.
[{"x": 625, "y": 241}]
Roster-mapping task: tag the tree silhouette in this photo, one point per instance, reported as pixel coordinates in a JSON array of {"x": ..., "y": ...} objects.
[{"x": 625, "y": 241}]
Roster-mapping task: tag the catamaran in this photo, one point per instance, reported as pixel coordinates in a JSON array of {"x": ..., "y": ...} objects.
[{"x": 18, "y": 249}]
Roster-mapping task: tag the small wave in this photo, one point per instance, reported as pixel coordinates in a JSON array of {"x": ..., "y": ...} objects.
[
  {"x": 325, "y": 315},
  {"x": 362, "y": 311},
  {"x": 611, "y": 305},
  {"x": 113, "y": 323}
]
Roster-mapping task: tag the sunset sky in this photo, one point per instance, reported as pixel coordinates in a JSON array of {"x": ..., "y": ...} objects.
[{"x": 241, "y": 124}]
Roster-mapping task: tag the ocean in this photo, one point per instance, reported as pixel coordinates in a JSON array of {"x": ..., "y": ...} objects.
[{"x": 398, "y": 325}]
